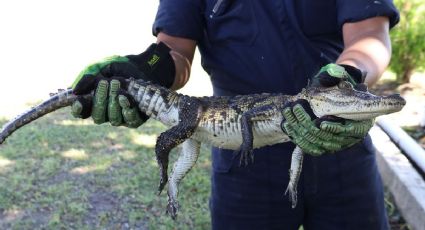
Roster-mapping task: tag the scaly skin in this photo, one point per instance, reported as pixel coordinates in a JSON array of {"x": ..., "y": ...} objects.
[
  {"x": 240, "y": 123},
  {"x": 59, "y": 100}
]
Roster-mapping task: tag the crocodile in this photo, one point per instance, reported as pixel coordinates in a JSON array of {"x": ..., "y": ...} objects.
[{"x": 241, "y": 123}]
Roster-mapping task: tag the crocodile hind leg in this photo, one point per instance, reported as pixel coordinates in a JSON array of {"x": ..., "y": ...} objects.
[
  {"x": 185, "y": 162},
  {"x": 256, "y": 114},
  {"x": 294, "y": 175},
  {"x": 190, "y": 111}
]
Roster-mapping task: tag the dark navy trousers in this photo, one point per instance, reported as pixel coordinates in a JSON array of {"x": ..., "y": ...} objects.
[{"x": 335, "y": 191}]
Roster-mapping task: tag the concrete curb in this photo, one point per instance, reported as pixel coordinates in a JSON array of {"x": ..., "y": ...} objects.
[{"x": 403, "y": 181}]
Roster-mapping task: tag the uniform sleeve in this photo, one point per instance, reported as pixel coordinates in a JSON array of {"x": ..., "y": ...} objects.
[
  {"x": 180, "y": 18},
  {"x": 357, "y": 10}
]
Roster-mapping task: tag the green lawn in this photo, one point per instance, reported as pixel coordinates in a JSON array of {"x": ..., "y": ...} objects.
[{"x": 59, "y": 172}]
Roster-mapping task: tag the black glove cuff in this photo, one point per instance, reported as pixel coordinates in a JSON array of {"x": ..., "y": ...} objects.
[
  {"x": 87, "y": 107},
  {"x": 306, "y": 106},
  {"x": 323, "y": 78},
  {"x": 357, "y": 75},
  {"x": 319, "y": 121},
  {"x": 157, "y": 64}
]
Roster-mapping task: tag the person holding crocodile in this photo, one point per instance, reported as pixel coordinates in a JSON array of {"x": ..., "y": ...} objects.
[{"x": 276, "y": 47}]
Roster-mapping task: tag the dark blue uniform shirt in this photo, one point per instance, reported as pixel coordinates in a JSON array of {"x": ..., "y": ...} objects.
[
  {"x": 254, "y": 46},
  {"x": 250, "y": 46}
]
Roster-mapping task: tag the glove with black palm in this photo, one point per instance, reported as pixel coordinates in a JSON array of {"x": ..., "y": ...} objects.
[
  {"x": 316, "y": 136},
  {"x": 105, "y": 77}
]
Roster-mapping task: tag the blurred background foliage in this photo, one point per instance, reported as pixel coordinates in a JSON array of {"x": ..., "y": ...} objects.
[{"x": 408, "y": 40}]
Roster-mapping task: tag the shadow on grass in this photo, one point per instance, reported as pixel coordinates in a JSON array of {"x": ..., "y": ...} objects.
[{"x": 60, "y": 172}]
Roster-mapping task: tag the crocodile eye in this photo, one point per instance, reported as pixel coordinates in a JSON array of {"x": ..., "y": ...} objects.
[{"x": 345, "y": 85}]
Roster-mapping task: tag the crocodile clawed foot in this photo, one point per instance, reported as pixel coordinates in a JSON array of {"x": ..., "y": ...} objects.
[
  {"x": 251, "y": 156},
  {"x": 245, "y": 157},
  {"x": 246, "y": 154},
  {"x": 172, "y": 208}
]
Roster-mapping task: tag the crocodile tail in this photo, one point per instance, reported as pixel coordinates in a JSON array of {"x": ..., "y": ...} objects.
[
  {"x": 57, "y": 101},
  {"x": 155, "y": 101}
]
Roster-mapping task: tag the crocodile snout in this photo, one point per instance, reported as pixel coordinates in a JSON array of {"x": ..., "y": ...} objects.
[{"x": 394, "y": 100}]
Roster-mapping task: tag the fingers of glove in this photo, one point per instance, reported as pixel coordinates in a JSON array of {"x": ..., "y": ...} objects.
[
  {"x": 308, "y": 147},
  {"x": 289, "y": 116},
  {"x": 361, "y": 128},
  {"x": 81, "y": 108},
  {"x": 319, "y": 139},
  {"x": 352, "y": 128},
  {"x": 76, "y": 109},
  {"x": 301, "y": 115},
  {"x": 100, "y": 101},
  {"x": 131, "y": 115},
  {"x": 297, "y": 137},
  {"x": 331, "y": 147},
  {"x": 300, "y": 127},
  {"x": 309, "y": 134},
  {"x": 114, "y": 108},
  {"x": 335, "y": 138},
  {"x": 290, "y": 130},
  {"x": 132, "y": 118},
  {"x": 328, "y": 141},
  {"x": 306, "y": 129},
  {"x": 310, "y": 131}
]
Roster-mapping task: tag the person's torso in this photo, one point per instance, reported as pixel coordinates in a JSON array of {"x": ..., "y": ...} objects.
[{"x": 252, "y": 46}]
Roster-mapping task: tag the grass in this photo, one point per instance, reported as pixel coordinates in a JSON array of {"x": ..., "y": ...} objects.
[
  {"x": 395, "y": 218},
  {"x": 59, "y": 172}
]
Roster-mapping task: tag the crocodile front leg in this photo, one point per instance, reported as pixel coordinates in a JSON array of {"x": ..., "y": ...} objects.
[
  {"x": 185, "y": 162},
  {"x": 261, "y": 113},
  {"x": 190, "y": 111}
]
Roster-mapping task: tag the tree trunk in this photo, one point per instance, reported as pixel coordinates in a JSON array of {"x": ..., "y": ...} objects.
[{"x": 406, "y": 75}]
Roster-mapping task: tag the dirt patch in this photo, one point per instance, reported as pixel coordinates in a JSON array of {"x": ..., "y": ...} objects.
[{"x": 413, "y": 114}]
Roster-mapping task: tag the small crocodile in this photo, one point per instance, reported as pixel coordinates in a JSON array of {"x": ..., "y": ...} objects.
[{"x": 241, "y": 123}]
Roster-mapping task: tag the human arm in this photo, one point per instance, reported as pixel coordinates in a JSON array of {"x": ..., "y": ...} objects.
[
  {"x": 182, "y": 52},
  {"x": 367, "y": 47}
]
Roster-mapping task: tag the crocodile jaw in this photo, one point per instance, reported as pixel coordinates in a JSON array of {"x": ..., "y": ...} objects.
[{"x": 348, "y": 103}]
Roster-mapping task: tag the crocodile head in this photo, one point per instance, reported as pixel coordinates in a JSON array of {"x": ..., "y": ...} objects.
[{"x": 346, "y": 102}]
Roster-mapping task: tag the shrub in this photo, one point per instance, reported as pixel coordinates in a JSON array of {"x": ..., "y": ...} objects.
[{"x": 408, "y": 39}]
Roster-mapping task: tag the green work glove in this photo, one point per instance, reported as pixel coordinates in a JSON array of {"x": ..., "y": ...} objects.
[
  {"x": 320, "y": 136},
  {"x": 106, "y": 78},
  {"x": 316, "y": 136},
  {"x": 331, "y": 74}
]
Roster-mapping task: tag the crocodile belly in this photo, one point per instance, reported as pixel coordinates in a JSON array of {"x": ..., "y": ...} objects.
[{"x": 228, "y": 135}]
